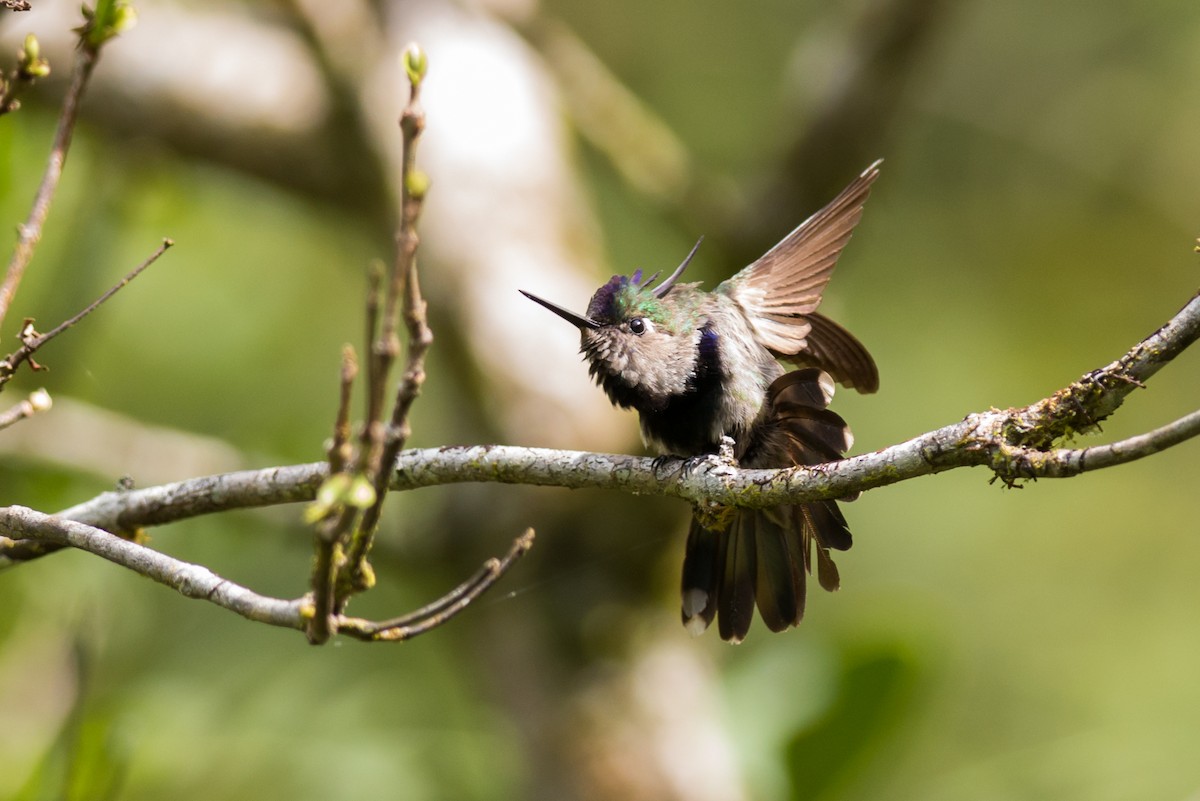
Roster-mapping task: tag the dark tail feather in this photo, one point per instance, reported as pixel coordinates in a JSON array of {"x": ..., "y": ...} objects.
[
  {"x": 702, "y": 564},
  {"x": 762, "y": 557},
  {"x": 735, "y": 596},
  {"x": 781, "y": 578}
]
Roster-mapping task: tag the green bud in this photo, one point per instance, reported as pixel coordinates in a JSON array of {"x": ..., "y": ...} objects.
[
  {"x": 416, "y": 183},
  {"x": 366, "y": 576},
  {"x": 32, "y": 65},
  {"x": 333, "y": 490},
  {"x": 124, "y": 18},
  {"x": 360, "y": 494},
  {"x": 330, "y": 496},
  {"x": 108, "y": 19},
  {"x": 415, "y": 63},
  {"x": 40, "y": 400},
  {"x": 307, "y": 610}
]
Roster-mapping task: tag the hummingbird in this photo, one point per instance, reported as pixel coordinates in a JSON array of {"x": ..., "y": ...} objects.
[{"x": 700, "y": 366}]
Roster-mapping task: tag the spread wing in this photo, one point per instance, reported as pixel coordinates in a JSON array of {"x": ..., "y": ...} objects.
[
  {"x": 783, "y": 286},
  {"x": 839, "y": 353}
]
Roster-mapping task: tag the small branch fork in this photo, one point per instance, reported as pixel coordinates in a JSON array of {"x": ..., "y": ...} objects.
[
  {"x": 197, "y": 581},
  {"x": 1015, "y": 444},
  {"x": 32, "y": 341},
  {"x": 435, "y": 614}
]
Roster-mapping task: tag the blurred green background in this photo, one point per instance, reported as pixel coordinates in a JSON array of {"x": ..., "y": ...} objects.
[{"x": 1035, "y": 218}]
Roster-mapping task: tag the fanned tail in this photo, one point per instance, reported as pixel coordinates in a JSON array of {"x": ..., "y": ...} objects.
[{"x": 763, "y": 557}]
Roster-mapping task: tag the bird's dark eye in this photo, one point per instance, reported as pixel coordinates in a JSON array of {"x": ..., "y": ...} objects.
[{"x": 637, "y": 325}]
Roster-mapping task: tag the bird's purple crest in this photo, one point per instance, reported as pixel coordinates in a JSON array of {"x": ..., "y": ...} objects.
[{"x": 622, "y": 296}]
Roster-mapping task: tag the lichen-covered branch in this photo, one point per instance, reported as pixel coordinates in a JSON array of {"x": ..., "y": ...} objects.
[{"x": 1064, "y": 463}]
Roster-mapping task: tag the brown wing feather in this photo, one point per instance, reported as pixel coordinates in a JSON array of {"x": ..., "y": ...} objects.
[
  {"x": 787, "y": 281},
  {"x": 839, "y": 353}
]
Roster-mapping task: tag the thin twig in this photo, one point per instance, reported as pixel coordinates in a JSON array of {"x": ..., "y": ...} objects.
[
  {"x": 339, "y": 446},
  {"x": 31, "y": 341},
  {"x": 404, "y": 288},
  {"x": 371, "y": 317},
  {"x": 443, "y": 609},
  {"x": 30, "y": 232},
  {"x": 1128, "y": 450},
  {"x": 1068, "y": 462},
  {"x": 339, "y": 518},
  {"x": 328, "y": 561}
]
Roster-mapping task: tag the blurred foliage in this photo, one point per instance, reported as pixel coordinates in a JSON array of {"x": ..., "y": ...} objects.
[
  {"x": 872, "y": 698},
  {"x": 1035, "y": 218}
]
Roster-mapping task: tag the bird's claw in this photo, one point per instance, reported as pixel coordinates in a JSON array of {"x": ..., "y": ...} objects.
[
  {"x": 659, "y": 463},
  {"x": 684, "y": 465},
  {"x": 689, "y": 465},
  {"x": 705, "y": 462}
]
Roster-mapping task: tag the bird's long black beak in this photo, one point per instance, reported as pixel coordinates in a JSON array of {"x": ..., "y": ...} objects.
[{"x": 577, "y": 320}]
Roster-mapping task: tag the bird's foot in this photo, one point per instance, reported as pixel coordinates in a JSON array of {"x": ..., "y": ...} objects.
[
  {"x": 689, "y": 465},
  {"x": 684, "y": 466},
  {"x": 660, "y": 464},
  {"x": 720, "y": 463}
]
